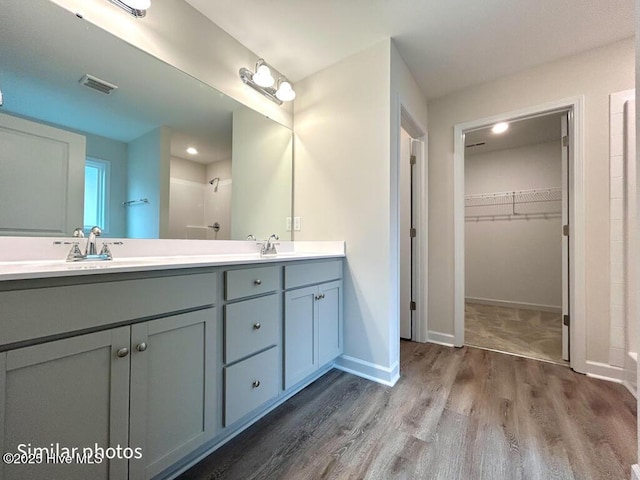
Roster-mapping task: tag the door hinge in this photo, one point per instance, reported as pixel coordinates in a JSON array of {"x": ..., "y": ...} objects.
[
  {"x": 412, "y": 305},
  {"x": 566, "y": 320},
  {"x": 412, "y": 160},
  {"x": 565, "y": 230},
  {"x": 412, "y": 232},
  {"x": 565, "y": 140}
]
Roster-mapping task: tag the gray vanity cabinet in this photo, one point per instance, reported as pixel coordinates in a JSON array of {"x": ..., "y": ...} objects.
[
  {"x": 173, "y": 394},
  {"x": 313, "y": 323},
  {"x": 73, "y": 393}
]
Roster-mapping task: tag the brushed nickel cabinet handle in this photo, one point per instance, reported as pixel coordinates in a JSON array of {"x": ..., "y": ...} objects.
[
  {"x": 123, "y": 352},
  {"x": 141, "y": 347},
  {"x": 256, "y": 383},
  {"x": 256, "y": 326},
  {"x": 257, "y": 282}
]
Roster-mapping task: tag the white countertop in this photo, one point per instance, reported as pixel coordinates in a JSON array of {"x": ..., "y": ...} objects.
[{"x": 184, "y": 254}]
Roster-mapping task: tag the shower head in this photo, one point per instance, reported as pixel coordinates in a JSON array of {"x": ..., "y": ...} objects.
[{"x": 216, "y": 181}]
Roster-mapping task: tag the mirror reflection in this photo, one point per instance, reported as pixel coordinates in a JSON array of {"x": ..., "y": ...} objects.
[{"x": 95, "y": 131}]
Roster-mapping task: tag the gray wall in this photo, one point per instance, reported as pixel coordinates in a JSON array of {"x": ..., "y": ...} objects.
[
  {"x": 594, "y": 74},
  {"x": 515, "y": 259}
]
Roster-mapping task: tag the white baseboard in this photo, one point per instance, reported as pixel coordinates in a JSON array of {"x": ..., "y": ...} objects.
[
  {"x": 441, "y": 338},
  {"x": 635, "y": 472},
  {"x": 631, "y": 372},
  {"x": 604, "y": 371},
  {"x": 371, "y": 371},
  {"x": 523, "y": 306}
]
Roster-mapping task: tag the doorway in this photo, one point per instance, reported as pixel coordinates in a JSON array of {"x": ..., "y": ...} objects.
[
  {"x": 571, "y": 233},
  {"x": 412, "y": 227},
  {"x": 515, "y": 207}
]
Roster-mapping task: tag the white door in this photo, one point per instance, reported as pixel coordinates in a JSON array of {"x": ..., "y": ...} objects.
[
  {"x": 566, "y": 222},
  {"x": 42, "y": 176},
  {"x": 405, "y": 237}
]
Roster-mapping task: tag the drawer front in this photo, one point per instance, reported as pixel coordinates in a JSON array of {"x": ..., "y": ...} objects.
[
  {"x": 303, "y": 274},
  {"x": 251, "y": 326},
  {"x": 250, "y": 383},
  {"x": 41, "y": 312},
  {"x": 251, "y": 281}
]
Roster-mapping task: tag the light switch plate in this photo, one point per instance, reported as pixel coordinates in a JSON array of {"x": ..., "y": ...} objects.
[
  {"x": 288, "y": 224},
  {"x": 296, "y": 224}
]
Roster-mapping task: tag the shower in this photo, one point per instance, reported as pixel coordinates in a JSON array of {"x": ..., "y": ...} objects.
[{"x": 216, "y": 181}]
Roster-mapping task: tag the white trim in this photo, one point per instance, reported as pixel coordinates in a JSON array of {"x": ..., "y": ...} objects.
[
  {"x": 604, "y": 371},
  {"x": 635, "y": 472},
  {"x": 577, "y": 213},
  {"x": 191, "y": 183},
  {"x": 445, "y": 339},
  {"x": 371, "y": 371},
  {"x": 508, "y": 304},
  {"x": 406, "y": 120}
]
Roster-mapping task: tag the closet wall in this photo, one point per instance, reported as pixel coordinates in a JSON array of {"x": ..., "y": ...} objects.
[{"x": 513, "y": 253}]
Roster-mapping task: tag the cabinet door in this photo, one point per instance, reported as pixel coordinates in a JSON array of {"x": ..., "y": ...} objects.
[
  {"x": 67, "y": 393},
  {"x": 329, "y": 322},
  {"x": 300, "y": 355},
  {"x": 173, "y": 401}
]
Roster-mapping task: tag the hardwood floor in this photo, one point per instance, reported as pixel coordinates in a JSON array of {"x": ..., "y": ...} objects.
[{"x": 455, "y": 414}]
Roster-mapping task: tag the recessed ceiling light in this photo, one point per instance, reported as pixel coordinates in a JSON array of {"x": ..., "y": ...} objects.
[
  {"x": 192, "y": 151},
  {"x": 500, "y": 127}
]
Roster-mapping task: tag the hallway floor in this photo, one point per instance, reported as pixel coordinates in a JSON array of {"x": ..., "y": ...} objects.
[
  {"x": 530, "y": 333},
  {"x": 456, "y": 413}
]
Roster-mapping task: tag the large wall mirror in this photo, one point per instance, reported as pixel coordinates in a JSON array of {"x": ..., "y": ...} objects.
[{"x": 96, "y": 131}]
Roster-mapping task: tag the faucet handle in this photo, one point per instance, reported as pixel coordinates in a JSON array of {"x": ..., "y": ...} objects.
[{"x": 74, "y": 254}]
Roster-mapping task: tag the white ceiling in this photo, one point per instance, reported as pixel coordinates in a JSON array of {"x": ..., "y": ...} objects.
[
  {"x": 529, "y": 131},
  {"x": 447, "y": 44}
]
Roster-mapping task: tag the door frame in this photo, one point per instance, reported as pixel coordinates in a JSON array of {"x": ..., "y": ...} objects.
[
  {"x": 576, "y": 194},
  {"x": 405, "y": 119}
]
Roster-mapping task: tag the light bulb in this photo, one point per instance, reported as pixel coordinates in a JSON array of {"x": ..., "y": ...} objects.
[
  {"x": 192, "y": 151},
  {"x": 285, "y": 92},
  {"x": 263, "y": 77},
  {"x": 138, "y": 4},
  {"x": 500, "y": 127}
]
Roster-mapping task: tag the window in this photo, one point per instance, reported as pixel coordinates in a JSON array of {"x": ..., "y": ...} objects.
[{"x": 96, "y": 188}]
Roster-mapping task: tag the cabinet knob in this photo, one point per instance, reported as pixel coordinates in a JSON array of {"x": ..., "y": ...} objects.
[
  {"x": 256, "y": 326},
  {"x": 317, "y": 297},
  {"x": 141, "y": 347},
  {"x": 123, "y": 352},
  {"x": 256, "y": 383},
  {"x": 321, "y": 296},
  {"x": 257, "y": 282}
]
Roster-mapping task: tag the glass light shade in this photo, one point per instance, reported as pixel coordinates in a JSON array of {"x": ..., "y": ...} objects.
[
  {"x": 138, "y": 4},
  {"x": 500, "y": 127},
  {"x": 263, "y": 77},
  {"x": 285, "y": 92}
]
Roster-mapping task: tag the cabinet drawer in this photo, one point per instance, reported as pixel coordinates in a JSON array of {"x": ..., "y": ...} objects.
[
  {"x": 41, "y": 312},
  {"x": 311, "y": 273},
  {"x": 250, "y": 326},
  {"x": 251, "y": 281},
  {"x": 250, "y": 383}
]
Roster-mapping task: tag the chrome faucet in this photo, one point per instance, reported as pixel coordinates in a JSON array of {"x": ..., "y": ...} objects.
[
  {"x": 90, "y": 249},
  {"x": 269, "y": 247}
]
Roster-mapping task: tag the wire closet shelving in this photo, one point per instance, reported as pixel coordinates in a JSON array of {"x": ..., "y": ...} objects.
[{"x": 538, "y": 202}]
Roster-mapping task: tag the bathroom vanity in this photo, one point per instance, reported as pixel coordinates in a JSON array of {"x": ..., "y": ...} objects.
[{"x": 165, "y": 359}]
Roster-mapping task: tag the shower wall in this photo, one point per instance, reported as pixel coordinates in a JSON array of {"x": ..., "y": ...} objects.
[{"x": 195, "y": 207}]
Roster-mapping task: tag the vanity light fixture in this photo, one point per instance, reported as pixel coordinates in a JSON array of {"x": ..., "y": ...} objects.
[
  {"x": 262, "y": 81},
  {"x": 137, "y": 8},
  {"x": 192, "y": 151},
  {"x": 500, "y": 127}
]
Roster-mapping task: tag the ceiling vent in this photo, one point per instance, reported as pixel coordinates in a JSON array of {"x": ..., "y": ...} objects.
[
  {"x": 475, "y": 145},
  {"x": 98, "y": 85}
]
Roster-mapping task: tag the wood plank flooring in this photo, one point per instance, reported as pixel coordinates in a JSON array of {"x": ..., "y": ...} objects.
[{"x": 454, "y": 414}]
